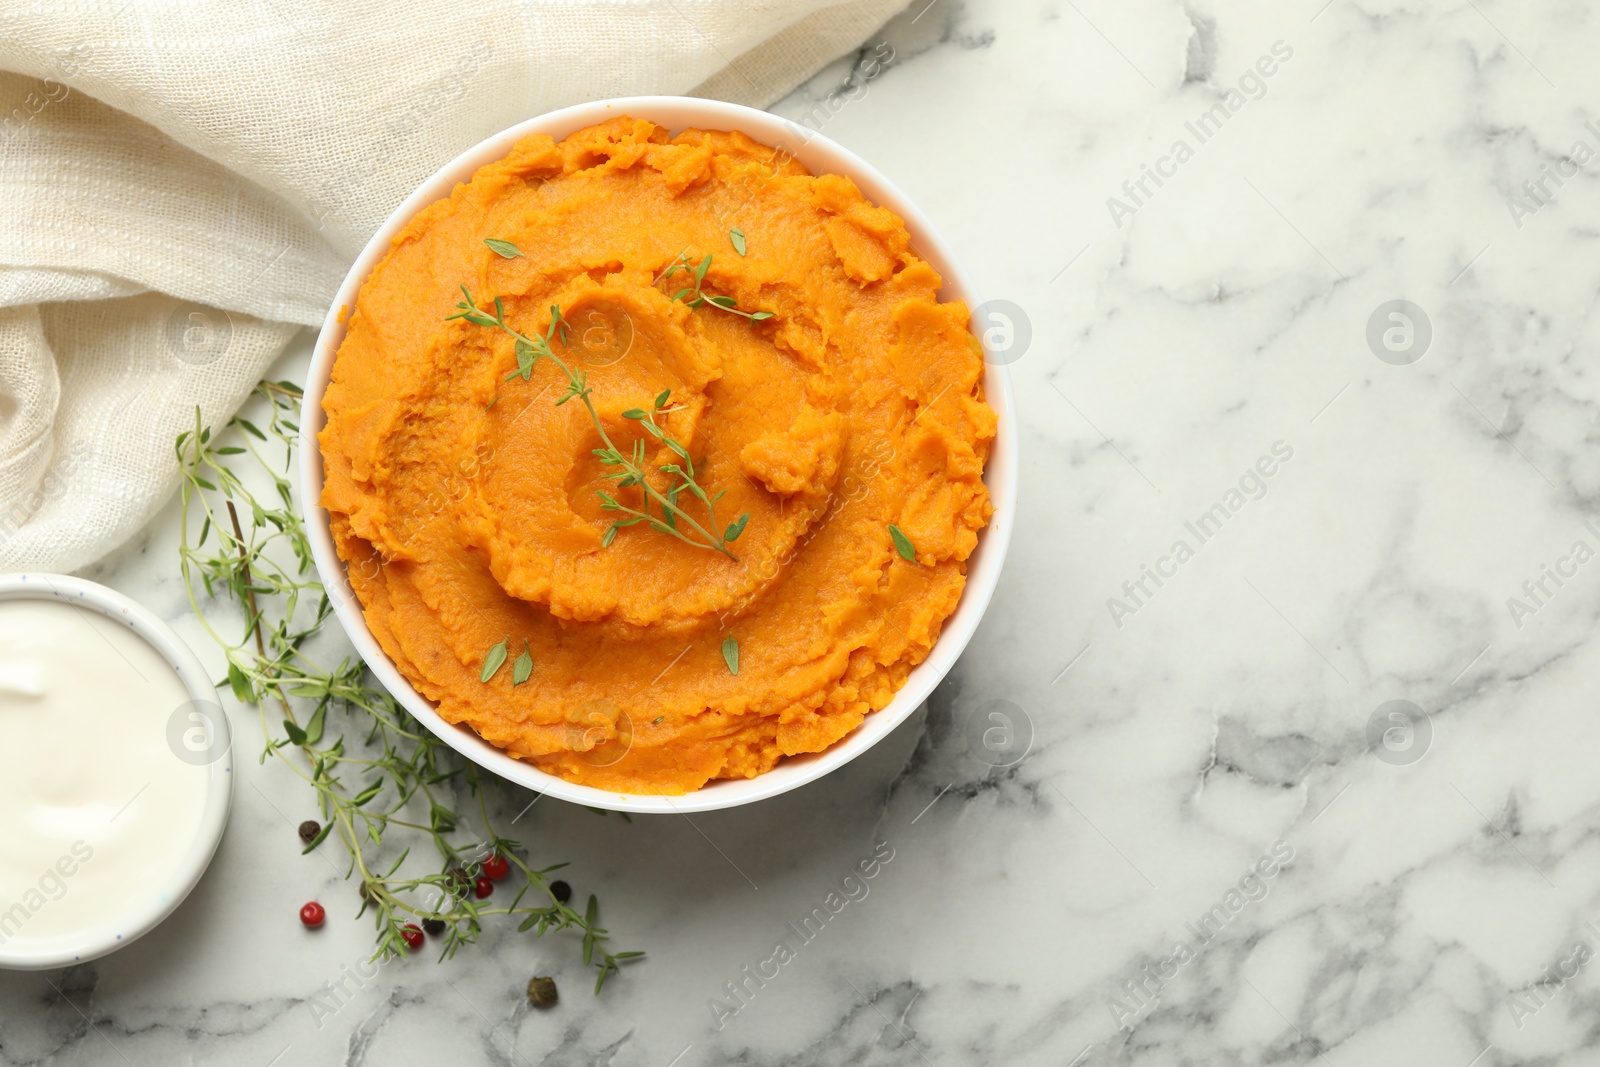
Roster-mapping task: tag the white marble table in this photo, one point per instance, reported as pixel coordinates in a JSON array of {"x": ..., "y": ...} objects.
[{"x": 1220, "y": 847}]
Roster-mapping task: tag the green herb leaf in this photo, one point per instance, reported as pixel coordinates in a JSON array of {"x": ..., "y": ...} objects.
[
  {"x": 730, "y": 653},
  {"x": 736, "y": 528},
  {"x": 736, "y": 235},
  {"x": 661, "y": 401},
  {"x": 903, "y": 544},
  {"x": 503, "y": 249},
  {"x": 315, "y": 725},
  {"x": 633, "y": 413},
  {"x": 723, "y": 301},
  {"x": 493, "y": 662},
  {"x": 700, "y": 271},
  {"x": 759, "y": 316},
  {"x": 297, "y": 736},
  {"x": 322, "y": 835},
  {"x": 523, "y": 667},
  {"x": 657, "y": 720},
  {"x": 242, "y": 689}
]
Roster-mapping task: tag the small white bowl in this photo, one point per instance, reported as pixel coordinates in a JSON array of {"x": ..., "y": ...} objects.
[
  {"x": 144, "y": 906},
  {"x": 820, "y": 156}
]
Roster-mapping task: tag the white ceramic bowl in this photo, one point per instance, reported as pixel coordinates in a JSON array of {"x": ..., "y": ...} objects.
[
  {"x": 820, "y": 156},
  {"x": 145, "y": 905}
]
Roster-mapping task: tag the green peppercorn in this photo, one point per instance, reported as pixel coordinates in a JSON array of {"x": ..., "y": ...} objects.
[{"x": 542, "y": 991}]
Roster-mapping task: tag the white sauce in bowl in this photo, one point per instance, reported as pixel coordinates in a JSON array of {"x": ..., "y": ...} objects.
[{"x": 99, "y": 808}]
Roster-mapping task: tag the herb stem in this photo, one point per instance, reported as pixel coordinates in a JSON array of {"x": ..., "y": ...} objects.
[{"x": 632, "y": 472}]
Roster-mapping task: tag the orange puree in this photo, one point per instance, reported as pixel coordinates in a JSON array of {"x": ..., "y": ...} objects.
[{"x": 464, "y": 504}]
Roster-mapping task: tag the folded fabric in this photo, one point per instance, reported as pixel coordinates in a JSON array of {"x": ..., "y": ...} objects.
[{"x": 183, "y": 188}]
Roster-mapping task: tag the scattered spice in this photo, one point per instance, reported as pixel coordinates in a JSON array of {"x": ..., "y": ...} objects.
[
  {"x": 433, "y": 927},
  {"x": 496, "y": 867},
  {"x": 561, "y": 891},
  {"x": 412, "y": 935},
  {"x": 309, "y": 830},
  {"x": 482, "y": 888},
  {"x": 542, "y": 991},
  {"x": 313, "y": 915}
]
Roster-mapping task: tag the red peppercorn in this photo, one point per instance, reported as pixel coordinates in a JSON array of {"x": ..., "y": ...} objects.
[
  {"x": 496, "y": 866},
  {"x": 482, "y": 888},
  {"x": 412, "y": 934},
  {"x": 313, "y": 915}
]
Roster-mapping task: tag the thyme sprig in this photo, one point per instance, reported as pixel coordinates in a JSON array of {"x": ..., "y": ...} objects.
[
  {"x": 695, "y": 297},
  {"x": 381, "y": 779},
  {"x": 628, "y": 468}
]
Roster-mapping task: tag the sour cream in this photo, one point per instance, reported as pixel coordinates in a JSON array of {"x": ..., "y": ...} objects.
[{"x": 105, "y": 766}]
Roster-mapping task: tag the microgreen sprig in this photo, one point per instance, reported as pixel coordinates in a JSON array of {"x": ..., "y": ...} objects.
[
  {"x": 380, "y": 778},
  {"x": 629, "y": 468},
  {"x": 694, "y": 296}
]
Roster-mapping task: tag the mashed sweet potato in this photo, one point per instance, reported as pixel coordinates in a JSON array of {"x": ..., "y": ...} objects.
[{"x": 464, "y": 503}]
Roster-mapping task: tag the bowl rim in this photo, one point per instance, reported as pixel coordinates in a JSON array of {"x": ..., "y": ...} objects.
[
  {"x": 820, "y": 155},
  {"x": 162, "y": 899}
]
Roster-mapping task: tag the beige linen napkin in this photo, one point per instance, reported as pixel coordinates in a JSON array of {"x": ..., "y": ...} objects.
[{"x": 182, "y": 186}]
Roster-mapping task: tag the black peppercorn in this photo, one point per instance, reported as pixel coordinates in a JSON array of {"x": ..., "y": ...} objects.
[
  {"x": 309, "y": 830},
  {"x": 542, "y": 991},
  {"x": 435, "y": 927},
  {"x": 561, "y": 891}
]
